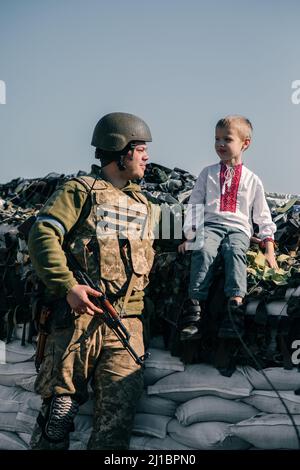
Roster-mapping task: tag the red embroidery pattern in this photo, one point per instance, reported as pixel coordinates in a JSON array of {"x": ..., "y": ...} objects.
[{"x": 228, "y": 199}]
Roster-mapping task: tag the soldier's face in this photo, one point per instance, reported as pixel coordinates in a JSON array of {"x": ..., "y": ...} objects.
[{"x": 136, "y": 161}]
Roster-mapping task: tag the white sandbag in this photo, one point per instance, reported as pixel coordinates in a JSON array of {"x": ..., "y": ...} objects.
[
  {"x": 35, "y": 402},
  {"x": 12, "y": 397},
  {"x": 11, "y": 374},
  {"x": 10, "y": 441},
  {"x": 26, "y": 437},
  {"x": 251, "y": 307},
  {"x": 281, "y": 378},
  {"x": 206, "y": 436},
  {"x": 18, "y": 331},
  {"x": 292, "y": 292},
  {"x": 210, "y": 408},
  {"x": 201, "y": 379},
  {"x": 152, "y": 375},
  {"x": 277, "y": 308},
  {"x": 269, "y": 402},
  {"x": 15, "y": 352},
  {"x": 268, "y": 431},
  {"x": 156, "y": 405},
  {"x": 9, "y": 422},
  {"x": 83, "y": 428},
  {"x": 150, "y": 425},
  {"x": 153, "y": 443},
  {"x": 26, "y": 419},
  {"x": 27, "y": 382},
  {"x": 162, "y": 359}
]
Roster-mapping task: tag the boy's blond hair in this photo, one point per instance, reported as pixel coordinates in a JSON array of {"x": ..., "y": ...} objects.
[{"x": 241, "y": 123}]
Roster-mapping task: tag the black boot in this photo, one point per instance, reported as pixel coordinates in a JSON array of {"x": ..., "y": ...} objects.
[
  {"x": 233, "y": 325},
  {"x": 189, "y": 323}
]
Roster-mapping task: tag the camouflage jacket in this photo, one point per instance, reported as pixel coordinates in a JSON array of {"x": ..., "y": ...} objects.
[{"x": 108, "y": 231}]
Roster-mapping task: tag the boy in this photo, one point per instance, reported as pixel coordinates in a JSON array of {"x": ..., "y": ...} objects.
[{"x": 232, "y": 196}]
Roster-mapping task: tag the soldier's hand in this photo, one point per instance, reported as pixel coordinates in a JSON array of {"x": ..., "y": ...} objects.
[{"x": 78, "y": 299}]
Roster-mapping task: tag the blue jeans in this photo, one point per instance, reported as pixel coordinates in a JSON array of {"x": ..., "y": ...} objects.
[{"x": 232, "y": 244}]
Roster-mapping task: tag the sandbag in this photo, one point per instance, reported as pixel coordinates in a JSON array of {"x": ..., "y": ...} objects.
[
  {"x": 12, "y": 397},
  {"x": 156, "y": 405},
  {"x": 152, "y": 375},
  {"x": 15, "y": 422},
  {"x": 15, "y": 352},
  {"x": 27, "y": 382},
  {"x": 153, "y": 443},
  {"x": 269, "y": 402},
  {"x": 206, "y": 436},
  {"x": 282, "y": 379},
  {"x": 10, "y": 441},
  {"x": 201, "y": 379},
  {"x": 26, "y": 419},
  {"x": 162, "y": 359},
  {"x": 268, "y": 431},
  {"x": 211, "y": 408},
  {"x": 150, "y": 425},
  {"x": 11, "y": 374}
]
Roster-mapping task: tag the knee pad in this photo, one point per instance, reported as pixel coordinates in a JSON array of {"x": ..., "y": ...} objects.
[{"x": 58, "y": 422}]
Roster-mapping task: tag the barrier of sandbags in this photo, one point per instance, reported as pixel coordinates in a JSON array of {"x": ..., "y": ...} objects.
[
  {"x": 226, "y": 414},
  {"x": 200, "y": 379},
  {"x": 268, "y": 431}
]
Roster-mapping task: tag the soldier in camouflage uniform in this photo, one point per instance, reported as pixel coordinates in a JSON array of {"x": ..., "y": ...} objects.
[{"x": 103, "y": 220}]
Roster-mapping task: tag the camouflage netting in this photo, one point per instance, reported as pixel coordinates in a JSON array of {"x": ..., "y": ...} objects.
[{"x": 273, "y": 301}]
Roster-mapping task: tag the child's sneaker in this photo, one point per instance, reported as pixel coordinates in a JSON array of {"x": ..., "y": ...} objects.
[{"x": 189, "y": 323}]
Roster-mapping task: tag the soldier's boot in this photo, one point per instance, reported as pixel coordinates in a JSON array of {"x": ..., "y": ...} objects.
[
  {"x": 190, "y": 321},
  {"x": 54, "y": 424},
  {"x": 233, "y": 325}
]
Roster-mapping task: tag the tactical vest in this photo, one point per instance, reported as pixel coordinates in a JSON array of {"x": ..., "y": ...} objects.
[{"x": 115, "y": 239}]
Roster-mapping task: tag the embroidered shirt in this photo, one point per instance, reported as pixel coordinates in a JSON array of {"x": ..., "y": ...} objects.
[{"x": 232, "y": 199}]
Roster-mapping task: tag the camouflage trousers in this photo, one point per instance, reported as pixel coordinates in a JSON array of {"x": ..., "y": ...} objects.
[{"x": 89, "y": 350}]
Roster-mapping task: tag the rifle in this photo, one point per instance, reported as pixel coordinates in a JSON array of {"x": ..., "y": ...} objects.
[
  {"x": 109, "y": 315},
  {"x": 42, "y": 336}
]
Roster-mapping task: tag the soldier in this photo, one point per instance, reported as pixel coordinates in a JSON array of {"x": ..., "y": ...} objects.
[{"x": 102, "y": 219}]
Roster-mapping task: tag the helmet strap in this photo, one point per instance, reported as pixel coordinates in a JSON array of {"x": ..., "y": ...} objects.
[{"x": 121, "y": 164}]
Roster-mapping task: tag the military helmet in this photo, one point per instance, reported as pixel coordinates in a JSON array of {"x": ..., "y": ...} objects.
[{"x": 115, "y": 130}]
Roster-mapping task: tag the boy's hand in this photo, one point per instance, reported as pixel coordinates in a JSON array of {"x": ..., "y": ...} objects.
[
  {"x": 182, "y": 248},
  {"x": 270, "y": 255},
  {"x": 271, "y": 260}
]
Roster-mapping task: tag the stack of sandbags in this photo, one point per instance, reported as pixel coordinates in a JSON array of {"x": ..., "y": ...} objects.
[
  {"x": 272, "y": 428},
  {"x": 20, "y": 405},
  {"x": 17, "y": 375},
  {"x": 189, "y": 407},
  {"x": 155, "y": 412}
]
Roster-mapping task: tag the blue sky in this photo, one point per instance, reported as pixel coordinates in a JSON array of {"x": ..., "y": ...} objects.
[{"x": 180, "y": 65}]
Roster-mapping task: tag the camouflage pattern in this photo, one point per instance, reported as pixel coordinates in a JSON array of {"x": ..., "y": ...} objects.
[
  {"x": 117, "y": 384},
  {"x": 97, "y": 244},
  {"x": 72, "y": 357}
]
